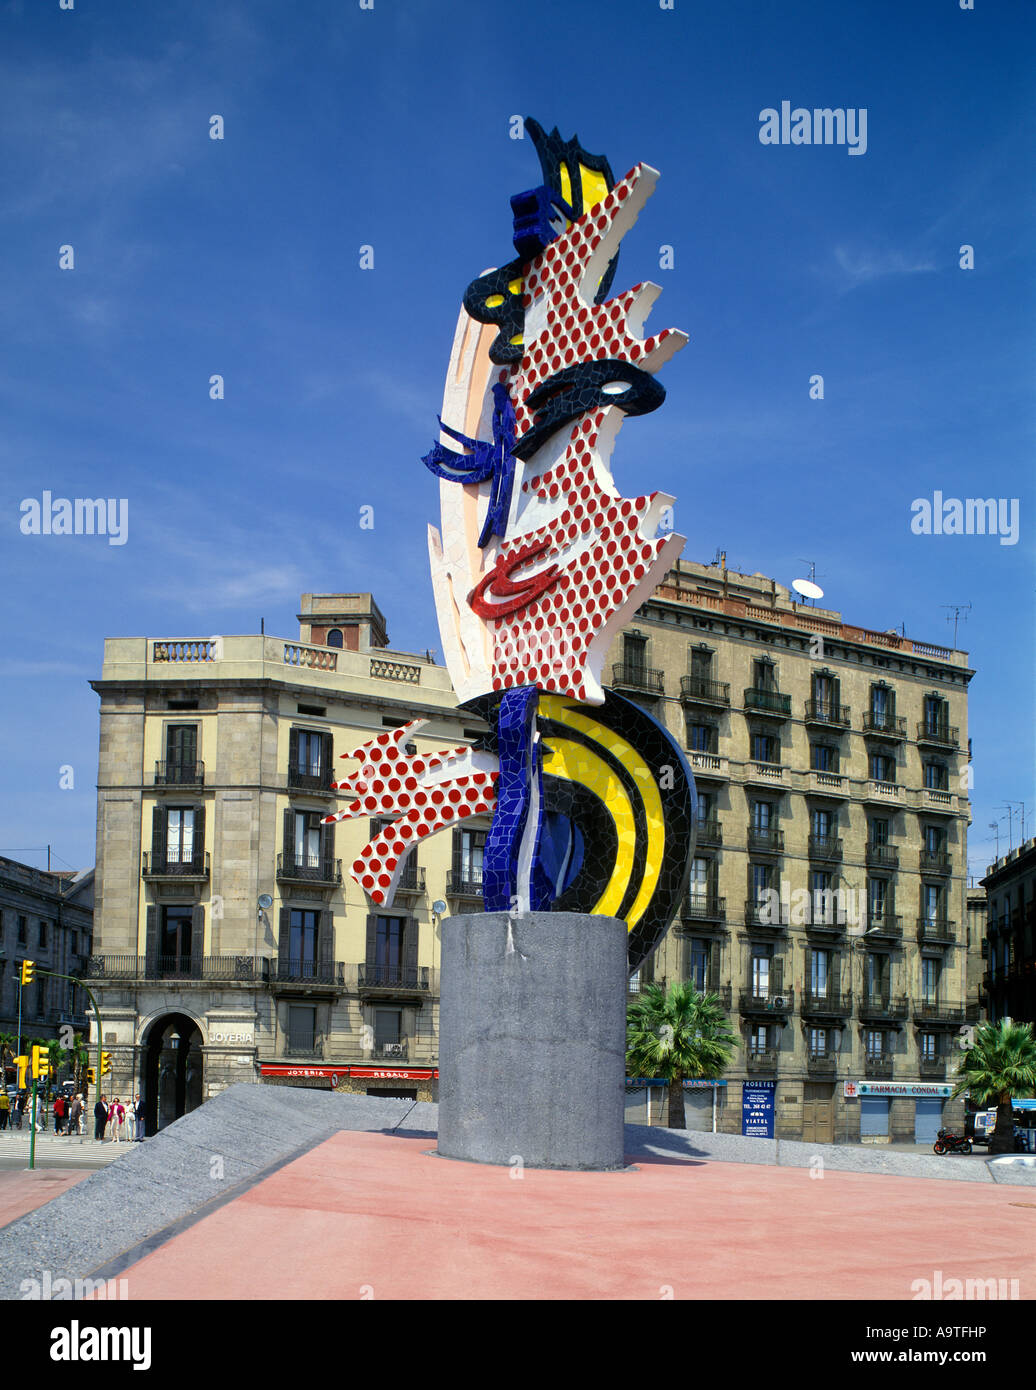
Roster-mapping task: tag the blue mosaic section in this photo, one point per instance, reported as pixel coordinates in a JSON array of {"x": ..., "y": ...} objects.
[
  {"x": 519, "y": 768},
  {"x": 485, "y": 460}
]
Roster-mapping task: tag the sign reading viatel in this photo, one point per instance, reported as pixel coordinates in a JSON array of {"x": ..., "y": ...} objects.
[
  {"x": 539, "y": 563},
  {"x": 757, "y": 1108}
]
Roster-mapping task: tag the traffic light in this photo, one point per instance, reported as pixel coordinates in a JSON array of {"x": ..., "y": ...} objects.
[
  {"x": 91, "y": 1076},
  {"x": 28, "y": 970},
  {"x": 106, "y": 1063},
  {"x": 40, "y": 1062},
  {"x": 22, "y": 1063}
]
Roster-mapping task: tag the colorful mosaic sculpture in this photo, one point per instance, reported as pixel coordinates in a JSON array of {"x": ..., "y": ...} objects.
[{"x": 539, "y": 564}]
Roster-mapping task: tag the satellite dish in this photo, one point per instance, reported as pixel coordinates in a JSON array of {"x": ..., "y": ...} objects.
[
  {"x": 438, "y": 907},
  {"x": 265, "y": 901},
  {"x": 807, "y": 588}
]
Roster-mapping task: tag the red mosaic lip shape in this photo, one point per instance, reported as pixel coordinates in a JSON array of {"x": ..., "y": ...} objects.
[{"x": 518, "y": 593}]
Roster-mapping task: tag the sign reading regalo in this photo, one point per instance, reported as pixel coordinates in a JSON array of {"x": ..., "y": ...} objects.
[{"x": 903, "y": 1089}]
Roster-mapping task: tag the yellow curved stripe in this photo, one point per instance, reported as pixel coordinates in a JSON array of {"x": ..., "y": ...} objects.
[
  {"x": 573, "y": 761},
  {"x": 556, "y": 707}
]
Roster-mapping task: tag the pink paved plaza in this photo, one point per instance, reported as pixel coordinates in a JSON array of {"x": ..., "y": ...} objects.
[{"x": 368, "y": 1215}]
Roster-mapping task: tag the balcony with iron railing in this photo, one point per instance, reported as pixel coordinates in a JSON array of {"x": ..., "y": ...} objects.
[
  {"x": 311, "y": 778},
  {"x": 775, "y": 1001},
  {"x": 632, "y": 676},
  {"x": 704, "y": 907},
  {"x": 318, "y": 869},
  {"x": 884, "y": 725},
  {"x": 936, "y": 931},
  {"x": 932, "y": 1068},
  {"x": 762, "y": 913},
  {"x": 183, "y": 967},
  {"x": 878, "y": 1068},
  {"x": 710, "y": 832},
  {"x": 464, "y": 883},
  {"x": 938, "y": 733},
  {"x": 698, "y": 691},
  {"x": 827, "y": 713},
  {"x": 165, "y": 866},
  {"x": 932, "y": 1011},
  {"x": 825, "y": 848},
  {"x": 887, "y": 925},
  {"x": 882, "y": 856},
  {"x": 765, "y": 840},
  {"x": 307, "y": 974},
  {"x": 397, "y": 1051},
  {"x": 417, "y": 980},
  {"x": 883, "y": 1006},
  {"x": 828, "y": 1004},
  {"x": 412, "y": 879},
  {"x": 762, "y": 1062},
  {"x": 181, "y": 772},
  {"x": 764, "y": 701},
  {"x": 305, "y": 1046},
  {"x": 821, "y": 1064},
  {"x": 937, "y": 862}
]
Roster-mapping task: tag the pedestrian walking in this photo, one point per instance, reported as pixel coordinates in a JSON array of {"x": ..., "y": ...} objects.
[
  {"x": 23, "y": 1097},
  {"x": 75, "y": 1115},
  {"x": 5, "y": 1109},
  {"x": 100, "y": 1118},
  {"x": 116, "y": 1116},
  {"x": 59, "y": 1114},
  {"x": 138, "y": 1119}
]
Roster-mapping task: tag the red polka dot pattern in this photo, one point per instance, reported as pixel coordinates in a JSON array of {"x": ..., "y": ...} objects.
[
  {"x": 594, "y": 538},
  {"x": 389, "y": 783}
]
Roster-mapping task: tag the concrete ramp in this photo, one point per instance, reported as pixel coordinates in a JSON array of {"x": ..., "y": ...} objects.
[{"x": 192, "y": 1166}]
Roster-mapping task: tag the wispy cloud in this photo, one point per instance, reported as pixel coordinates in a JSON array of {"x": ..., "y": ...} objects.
[{"x": 860, "y": 267}]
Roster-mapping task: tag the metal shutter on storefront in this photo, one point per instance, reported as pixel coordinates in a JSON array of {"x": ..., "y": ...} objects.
[
  {"x": 874, "y": 1115},
  {"x": 927, "y": 1120},
  {"x": 697, "y": 1104},
  {"x": 636, "y": 1105}
]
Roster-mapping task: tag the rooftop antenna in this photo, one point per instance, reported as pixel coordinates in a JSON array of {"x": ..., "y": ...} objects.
[
  {"x": 995, "y": 827},
  {"x": 958, "y": 609},
  {"x": 1022, "y": 805}
]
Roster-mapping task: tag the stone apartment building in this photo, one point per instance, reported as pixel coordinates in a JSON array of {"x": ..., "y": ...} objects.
[
  {"x": 47, "y": 918},
  {"x": 827, "y": 757},
  {"x": 231, "y": 946},
  {"x": 1009, "y": 981}
]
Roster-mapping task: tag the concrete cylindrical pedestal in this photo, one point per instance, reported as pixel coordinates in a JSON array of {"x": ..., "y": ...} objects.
[{"x": 532, "y": 1040}]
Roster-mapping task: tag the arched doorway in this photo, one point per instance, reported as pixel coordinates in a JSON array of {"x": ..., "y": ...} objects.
[{"x": 172, "y": 1070}]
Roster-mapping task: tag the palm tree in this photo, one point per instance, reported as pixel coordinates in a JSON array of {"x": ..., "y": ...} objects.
[
  {"x": 999, "y": 1065},
  {"x": 678, "y": 1034}
]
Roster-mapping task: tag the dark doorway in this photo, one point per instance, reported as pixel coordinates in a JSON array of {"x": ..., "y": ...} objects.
[{"x": 172, "y": 1071}]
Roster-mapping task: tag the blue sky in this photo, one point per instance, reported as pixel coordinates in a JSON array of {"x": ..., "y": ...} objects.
[{"x": 390, "y": 128}]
